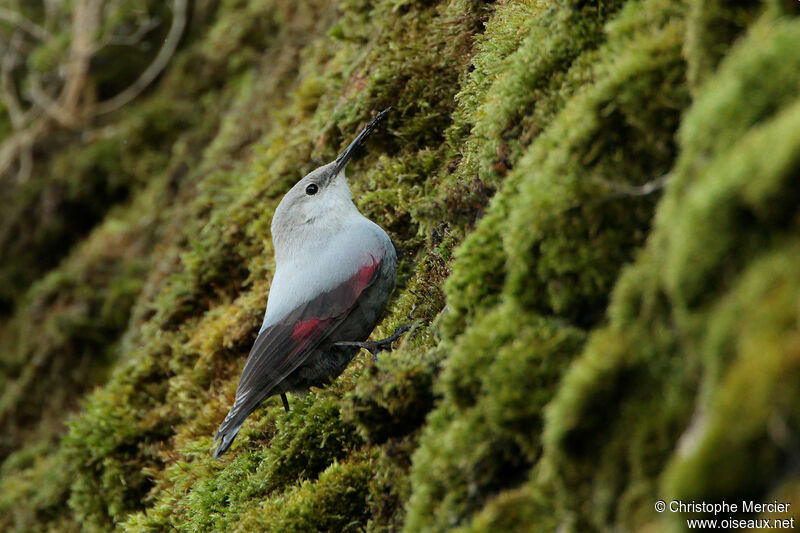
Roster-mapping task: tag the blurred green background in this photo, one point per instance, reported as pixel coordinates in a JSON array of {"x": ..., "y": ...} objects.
[{"x": 595, "y": 207}]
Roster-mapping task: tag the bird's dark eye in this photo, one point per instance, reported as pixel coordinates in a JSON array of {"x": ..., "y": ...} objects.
[{"x": 312, "y": 189}]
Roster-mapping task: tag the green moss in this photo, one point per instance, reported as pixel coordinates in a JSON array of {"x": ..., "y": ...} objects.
[
  {"x": 484, "y": 435},
  {"x": 561, "y": 235},
  {"x": 160, "y": 384},
  {"x": 713, "y": 208},
  {"x": 66, "y": 331},
  {"x": 215, "y": 496},
  {"x": 581, "y": 348},
  {"x": 513, "y": 511},
  {"x": 535, "y": 80},
  {"x": 763, "y": 369},
  {"x": 667, "y": 371},
  {"x": 711, "y": 28},
  {"x": 748, "y": 323},
  {"x": 34, "y": 484},
  {"x": 336, "y": 502},
  {"x": 393, "y": 397},
  {"x": 545, "y": 69},
  {"x": 565, "y": 201}
]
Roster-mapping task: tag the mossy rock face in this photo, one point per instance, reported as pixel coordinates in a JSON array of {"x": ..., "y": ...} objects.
[
  {"x": 665, "y": 370},
  {"x": 594, "y": 207}
]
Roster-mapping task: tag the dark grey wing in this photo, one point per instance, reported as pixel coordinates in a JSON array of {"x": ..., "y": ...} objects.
[{"x": 284, "y": 346}]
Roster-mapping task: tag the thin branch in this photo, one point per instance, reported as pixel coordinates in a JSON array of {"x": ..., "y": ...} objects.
[
  {"x": 51, "y": 11},
  {"x": 623, "y": 189},
  {"x": 22, "y": 152},
  {"x": 56, "y": 111},
  {"x": 25, "y": 155},
  {"x": 111, "y": 7},
  {"x": 85, "y": 22},
  {"x": 9, "y": 92},
  {"x": 65, "y": 110},
  {"x": 128, "y": 40},
  {"x": 22, "y": 23},
  {"x": 619, "y": 191},
  {"x": 16, "y": 145},
  {"x": 155, "y": 68}
]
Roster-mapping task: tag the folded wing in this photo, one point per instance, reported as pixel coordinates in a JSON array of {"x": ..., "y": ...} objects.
[{"x": 283, "y": 346}]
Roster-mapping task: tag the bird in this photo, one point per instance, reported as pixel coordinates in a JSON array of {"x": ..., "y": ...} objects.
[{"x": 335, "y": 271}]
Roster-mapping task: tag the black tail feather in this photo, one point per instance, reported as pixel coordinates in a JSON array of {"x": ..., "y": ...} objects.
[
  {"x": 230, "y": 426},
  {"x": 227, "y": 440}
]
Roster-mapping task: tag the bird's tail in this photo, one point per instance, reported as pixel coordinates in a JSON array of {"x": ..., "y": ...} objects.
[
  {"x": 244, "y": 404},
  {"x": 226, "y": 439},
  {"x": 230, "y": 426}
]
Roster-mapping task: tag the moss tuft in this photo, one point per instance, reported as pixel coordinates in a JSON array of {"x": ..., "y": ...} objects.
[{"x": 594, "y": 208}]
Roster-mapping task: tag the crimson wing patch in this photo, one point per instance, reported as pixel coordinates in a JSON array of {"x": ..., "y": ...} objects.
[{"x": 281, "y": 348}]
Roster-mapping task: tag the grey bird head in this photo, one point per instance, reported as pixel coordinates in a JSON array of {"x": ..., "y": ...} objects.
[{"x": 322, "y": 194}]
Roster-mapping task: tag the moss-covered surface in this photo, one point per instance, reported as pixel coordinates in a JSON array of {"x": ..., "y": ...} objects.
[{"x": 595, "y": 209}]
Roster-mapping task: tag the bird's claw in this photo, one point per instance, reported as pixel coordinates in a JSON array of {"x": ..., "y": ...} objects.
[{"x": 375, "y": 347}]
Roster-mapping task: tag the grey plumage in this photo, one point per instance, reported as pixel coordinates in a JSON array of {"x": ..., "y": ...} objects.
[{"x": 335, "y": 270}]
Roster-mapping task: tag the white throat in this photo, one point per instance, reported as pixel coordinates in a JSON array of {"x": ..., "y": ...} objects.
[{"x": 303, "y": 225}]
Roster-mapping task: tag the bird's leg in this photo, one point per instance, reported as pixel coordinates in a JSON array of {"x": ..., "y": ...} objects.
[
  {"x": 285, "y": 401},
  {"x": 374, "y": 347}
]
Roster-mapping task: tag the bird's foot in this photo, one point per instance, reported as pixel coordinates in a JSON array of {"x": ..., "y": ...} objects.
[
  {"x": 374, "y": 347},
  {"x": 285, "y": 401}
]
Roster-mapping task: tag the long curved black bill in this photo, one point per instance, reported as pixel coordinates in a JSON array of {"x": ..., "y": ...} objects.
[{"x": 345, "y": 156}]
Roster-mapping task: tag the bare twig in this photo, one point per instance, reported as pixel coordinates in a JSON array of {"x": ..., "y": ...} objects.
[
  {"x": 70, "y": 108},
  {"x": 22, "y": 151},
  {"x": 25, "y": 156},
  {"x": 619, "y": 191},
  {"x": 50, "y": 106},
  {"x": 155, "y": 68},
  {"x": 22, "y": 23},
  {"x": 8, "y": 91},
  {"x": 17, "y": 146},
  {"x": 623, "y": 189},
  {"x": 128, "y": 40},
  {"x": 51, "y": 10},
  {"x": 85, "y": 23}
]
